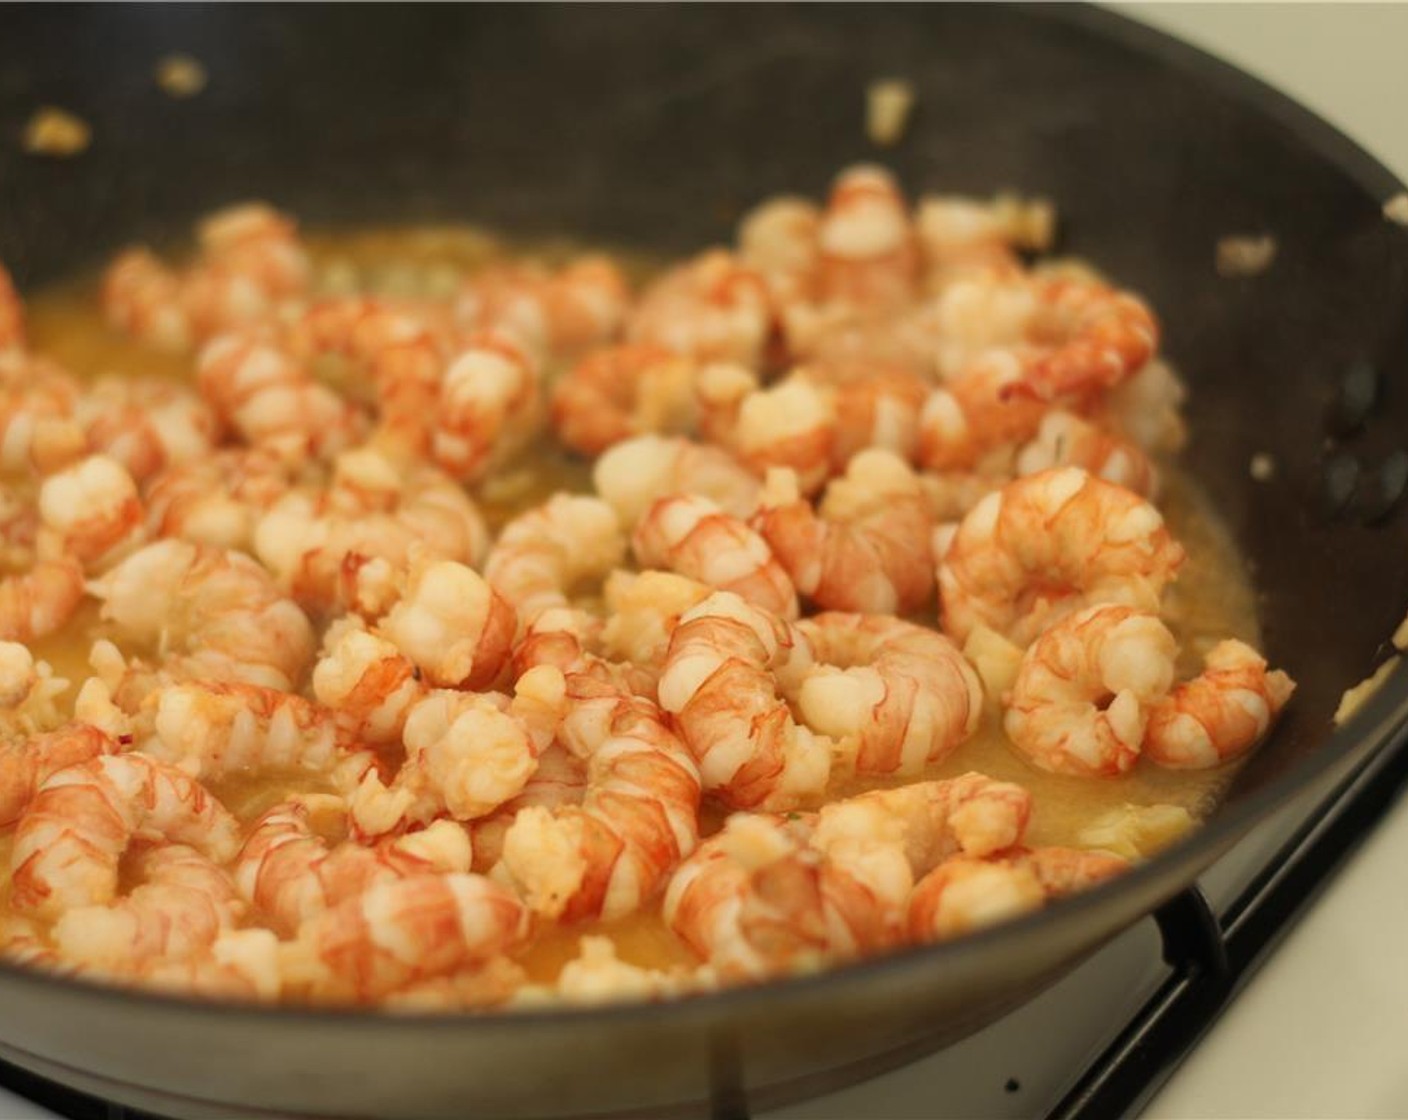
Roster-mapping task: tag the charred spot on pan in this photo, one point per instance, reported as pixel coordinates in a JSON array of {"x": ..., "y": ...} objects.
[
  {"x": 1386, "y": 488},
  {"x": 1355, "y": 397},
  {"x": 1339, "y": 478},
  {"x": 1013, "y": 1085}
]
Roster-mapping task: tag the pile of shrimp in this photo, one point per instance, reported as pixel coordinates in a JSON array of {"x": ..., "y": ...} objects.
[{"x": 352, "y": 733}]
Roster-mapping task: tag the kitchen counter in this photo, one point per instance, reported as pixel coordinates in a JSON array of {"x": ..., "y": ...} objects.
[{"x": 1319, "y": 1032}]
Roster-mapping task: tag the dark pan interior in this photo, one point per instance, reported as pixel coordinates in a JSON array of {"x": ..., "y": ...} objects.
[{"x": 657, "y": 126}]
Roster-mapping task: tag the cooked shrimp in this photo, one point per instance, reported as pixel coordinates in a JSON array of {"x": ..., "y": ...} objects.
[
  {"x": 1219, "y": 714},
  {"x": 366, "y": 682},
  {"x": 89, "y": 512},
  {"x": 40, "y": 601},
  {"x": 965, "y": 894},
  {"x": 255, "y": 240},
  {"x": 1066, "y": 440},
  {"x": 791, "y": 424},
  {"x": 880, "y": 410},
  {"x": 39, "y": 432},
  {"x": 778, "y": 238},
  {"x": 644, "y": 609},
  {"x": 183, "y": 903},
  {"x": 452, "y": 625},
  {"x": 597, "y": 975},
  {"x": 560, "y": 780},
  {"x": 217, "y": 612},
  {"x": 637, "y": 472},
  {"x": 240, "y": 965},
  {"x": 755, "y": 900},
  {"x": 272, "y": 400},
  {"x": 142, "y": 297},
  {"x": 1085, "y": 689},
  {"x": 622, "y": 391},
  {"x": 146, "y": 424},
  {"x": 976, "y": 414},
  {"x": 542, "y": 555},
  {"x": 25, "y": 764},
  {"x": 216, "y": 500},
  {"x": 711, "y": 308},
  {"x": 290, "y": 874},
  {"x": 694, "y": 537},
  {"x": 892, "y": 696},
  {"x": 637, "y": 820},
  {"x": 726, "y": 671},
  {"x": 212, "y": 728},
  {"x": 488, "y": 408},
  {"x": 11, "y": 313},
  {"x": 401, "y": 933},
  {"x": 868, "y": 252},
  {"x": 962, "y": 237},
  {"x": 1049, "y": 544},
  {"x": 70, "y": 839},
  {"x": 866, "y": 549}
]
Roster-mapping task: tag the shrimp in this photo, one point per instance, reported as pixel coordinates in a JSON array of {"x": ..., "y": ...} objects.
[
  {"x": 1048, "y": 545},
  {"x": 487, "y": 410},
  {"x": 39, "y": 432},
  {"x": 1085, "y": 689},
  {"x": 210, "y": 729},
  {"x": 635, "y": 473},
  {"x": 879, "y": 410},
  {"x": 791, "y": 424},
  {"x": 366, "y": 682},
  {"x": 977, "y": 414},
  {"x": 755, "y": 900},
  {"x": 240, "y": 965},
  {"x": 216, "y": 500},
  {"x": 12, "y": 333},
  {"x": 711, "y": 308},
  {"x": 40, "y": 601},
  {"x": 143, "y": 298},
  {"x": 1219, "y": 714},
  {"x": 964, "y": 894},
  {"x": 694, "y": 537},
  {"x": 183, "y": 903},
  {"x": 892, "y": 696},
  {"x": 726, "y": 670},
  {"x": 25, "y": 764},
  {"x": 596, "y": 975},
  {"x": 217, "y": 612},
  {"x": 543, "y": 554},
  {"x": 622, "y": 391},
  {"x": 401, "y": 933},
  {"x": 560, "y": 780},
  {"x": 868, "y": 252},
  {"x": 1067, "y": 440},
  {"x": 146, "y": 424},
  {"x": 867, "y": 549},
  {"x": 272, "y": 400},
  {"x": 89, "y": 512},
  {"x": 964, "y": 237},
  {"x": 290, "y": 874},
  {"x": 452, "y": 625},
  {"x": 779, "y": 239},
  {"x": 637, "y": 820},
  {"x": 70, "y": 839},
  {"x": 644, "y": 609}
]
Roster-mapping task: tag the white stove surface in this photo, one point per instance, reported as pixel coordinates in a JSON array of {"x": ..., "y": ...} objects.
[{"x": 1318, "y": 1032}]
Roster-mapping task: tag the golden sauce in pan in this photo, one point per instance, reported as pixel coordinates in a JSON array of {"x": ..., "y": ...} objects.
[{"x": 1211, "y": 600}]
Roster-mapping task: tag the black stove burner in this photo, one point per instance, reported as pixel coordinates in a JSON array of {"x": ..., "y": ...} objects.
[{"x": 1211, "y": 960}]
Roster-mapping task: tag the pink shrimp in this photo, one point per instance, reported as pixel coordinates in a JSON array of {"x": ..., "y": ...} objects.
[
  {"x": 1047, "y": 545},
  {"x": 402, "y": 933},
  {"x": 183, "y": 903},
  {"x": 867, "y": 549},
  {"x": 868, "y": 251},
  {"x": 146, "y": 424},
  {"x": 879, "y": 410},
  {"x": 70, "y": 839},
  {"x": 40, "y": 601},
  {"x": 724, "y": 676},
  {"x": 489, "y": 407},
  {"x": 964, "y": 894},
  {"x": 366, "y": 682},
  {"x": 216, "y": 500},
  {"x": 290, "y": 874},
  {"x": 1219, "y": 714},
  {"x": 711, "y": 308},
  {"x": 778, "y": 238},
  {"x": 622, "y": 391},
  {"x": 893, "y": 696},
  {"x": 25, "y": 764},
  {"x": 12, "y": 333},
  {"x": 977, "y": 413},
  {"x": 637, "y": 820},
  {"x": 560, "y": 780},
  {"x": 217, "y": 612},
  {"x": 964, "y": 237},
  {"x": 1067, "y": 440},
  {"x": 142, "y": 297},
  {"x": 89, "y": 512},
  {"x": 635, "y": 473},
  {"x": 692, "y": 536},
  {"x": 272, "y": 400},
  {"x": 1085, "y": 689},
  {"x": 39, "y": 432}
]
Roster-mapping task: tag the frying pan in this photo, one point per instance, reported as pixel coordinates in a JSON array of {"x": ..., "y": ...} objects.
[{"x": 658, "y": 126}]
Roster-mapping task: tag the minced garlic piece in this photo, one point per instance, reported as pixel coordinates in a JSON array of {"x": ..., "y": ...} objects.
[
  {"x": 1245, "y": 256},
  {"x": 1400, "y": 636},
  {"x": 1136, "y": 831},
  {"x": 1356, "y": 697},
  {"x": 1396, "y": 208},
  {"x": 888, "y": 104},
  {"x": 181, "y": 76},
  {"x": 56, "y": 132}
]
